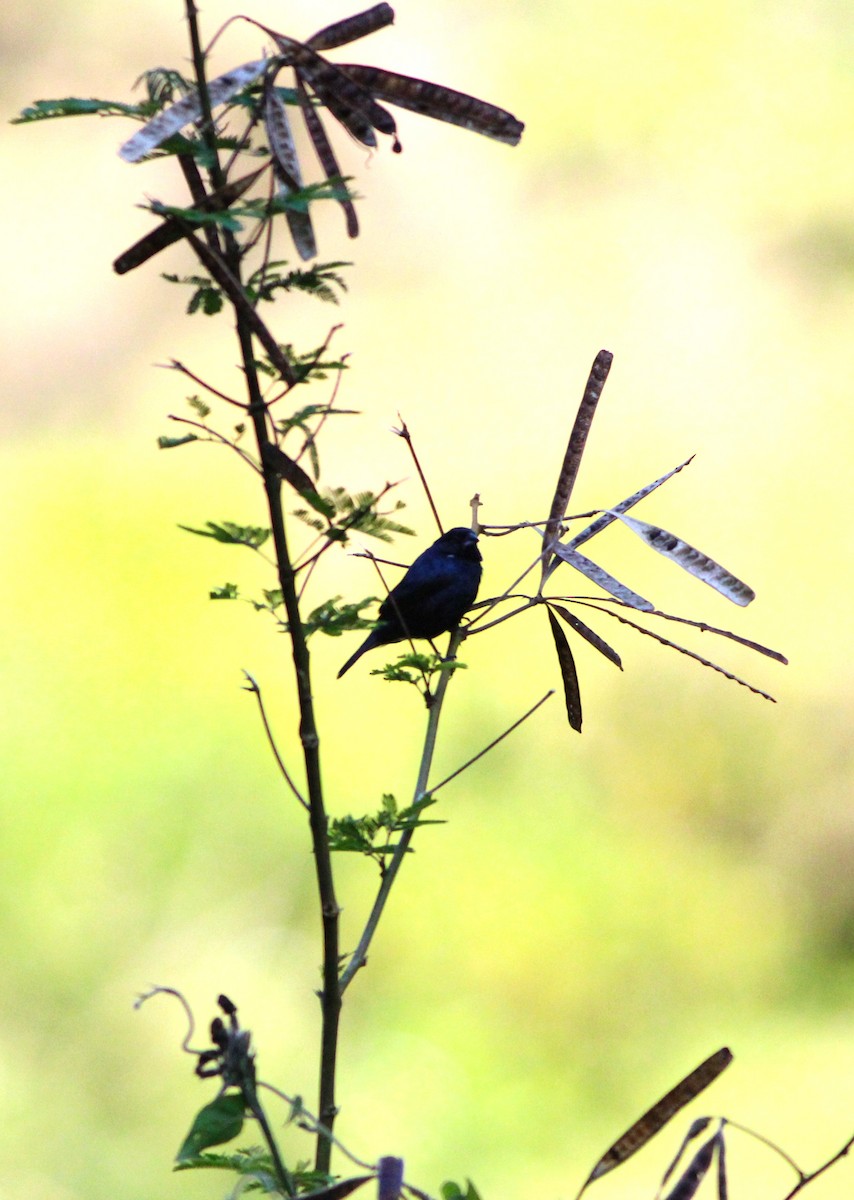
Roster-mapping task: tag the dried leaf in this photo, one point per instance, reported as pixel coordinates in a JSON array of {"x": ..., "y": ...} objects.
[
  {"x": 278, "y": 127},
  {"x": 171, "y": 120},
  {"x": 325, "y": 154},
  {"x": 336, "y": 1191},
  {"x": 654, "y": 1120},
  {"x": 696, "y": 1128},
  {"x": 352, "y": 28},
  {"x": 575, "y": 448},
  {"x": 691, "y": 560},
  {"x": 726, "y": 633},
  {"x": 705, "y": 662},
  {"x": 568, "y": 673},
  {"x": 694, "y": 1174},
  {"x": 588, "y": 634},
  {"x": 172, "y": 230},
  {"x": 607, "y": 518},
  {"x": 287, "y": 168},
  {"x": 723, "y": 1187},
  {"x": 602, "y": 577},
  {"x": 347, "y": 100},
  {"x": 351, "y": 117},
  {"x": 435, "y": 100}
]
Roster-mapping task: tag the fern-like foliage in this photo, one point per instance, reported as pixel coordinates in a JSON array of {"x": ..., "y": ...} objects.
[
  {"x": 374, "y": 836},
  {"x": 231, "y": 534},
  {"x": 357, "y": 514},
  {"x": 320, "y": 281}
]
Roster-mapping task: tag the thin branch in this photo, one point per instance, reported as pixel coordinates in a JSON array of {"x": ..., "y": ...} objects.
[
  {"x": 504, "y": 595},
  {"x": 256, "y": 692},
  {"x": 343, "y": 527},
  {"x": 311, "y": 436},
  {"x": 311, "y": 366},
  {"x": 766, "y": 1141},
  {"x": 216, "y": 436},
  {"x": 360, "y": 954},
  {"x": 195, "y": 183},
  {"x": 156, "y": 990},
  {"x": 302, "y": 1113},
  {"x": 531, "y": 601},
  {"x": 307, "y": 578},
  {"x": 233, "y": 288},
  {"x": 404, "y": 433},
  {"x": 206, "y": 125},
  {"x": 250, "y": 1098},
  {"x": 805, "y": 1179},
  {"x": 175, "y": 365},
  {"x": 434, "y": 789}
]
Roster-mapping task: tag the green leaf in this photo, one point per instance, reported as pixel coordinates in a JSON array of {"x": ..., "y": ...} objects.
[
  {"x": 409, "y": 668},
  {"x": 224, "y": 218},
  {"x": 354, "y": 514},
  {"x": 453, "y": 1191},
  {"x": 231, "y": 534},
  {"x": 162, "y": 84},
  {"x": 333, "y": 618},
  {"x": 168, "y": 443},
  {"x": 360, "y": 834},
  {"x": 208, "y": 298},
  {"x": 319, "y": 280},
  {"x": 228, "y": 591},
  {"x": 217, "y": 1122},
  {"x": 199, "y": 406},
  {"x": 74, "y": 106},
  {"x": 310, "y": 365}
]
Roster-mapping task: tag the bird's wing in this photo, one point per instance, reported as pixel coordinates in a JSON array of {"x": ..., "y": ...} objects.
[{"x": 423, "y": 582}]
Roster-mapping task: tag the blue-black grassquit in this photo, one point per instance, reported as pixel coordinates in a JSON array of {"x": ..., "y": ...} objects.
[{"x": 432, "y": 596}]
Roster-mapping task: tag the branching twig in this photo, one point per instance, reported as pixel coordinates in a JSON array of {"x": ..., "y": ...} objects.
[
  {"x": 434, "y": 789},
  {"x": 810, "y": 1176},
  {"x": 256, "y": 692},
  {"x": 474, "y": 626},
  {"x": 216, "y": 436},
  {"x": 302, "y": 1113},
  {"x": 174, "y": 365}
]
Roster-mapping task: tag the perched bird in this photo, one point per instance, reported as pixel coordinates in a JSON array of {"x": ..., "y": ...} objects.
[{"x": 432, "y": 596}]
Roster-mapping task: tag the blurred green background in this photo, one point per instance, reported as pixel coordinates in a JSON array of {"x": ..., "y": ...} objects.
[{"x": 599, "y": 913}]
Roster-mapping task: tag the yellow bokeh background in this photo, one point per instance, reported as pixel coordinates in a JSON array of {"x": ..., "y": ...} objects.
[{"x": 599, "y": 913}]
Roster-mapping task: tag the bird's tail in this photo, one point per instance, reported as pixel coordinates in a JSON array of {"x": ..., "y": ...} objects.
[{"x": 367, "y": 644}]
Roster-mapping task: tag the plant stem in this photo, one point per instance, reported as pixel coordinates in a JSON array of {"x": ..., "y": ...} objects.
[
  {"x": 360, "y": 954},
  {"x": 330, "y": 995},
  {"x": 228, "y": 274},
  {"x": 251, "y": 1100}
]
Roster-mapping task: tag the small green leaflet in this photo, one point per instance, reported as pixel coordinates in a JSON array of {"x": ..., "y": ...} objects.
[
  {"x": 231, "y": 534},
  {"x": 74, "y": 106}
]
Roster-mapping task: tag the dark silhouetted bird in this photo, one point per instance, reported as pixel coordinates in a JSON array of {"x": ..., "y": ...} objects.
[{"x": 432, "y": 596}]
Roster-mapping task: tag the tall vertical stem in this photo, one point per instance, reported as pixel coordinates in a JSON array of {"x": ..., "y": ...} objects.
[{"x": 330, "y": 996}]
